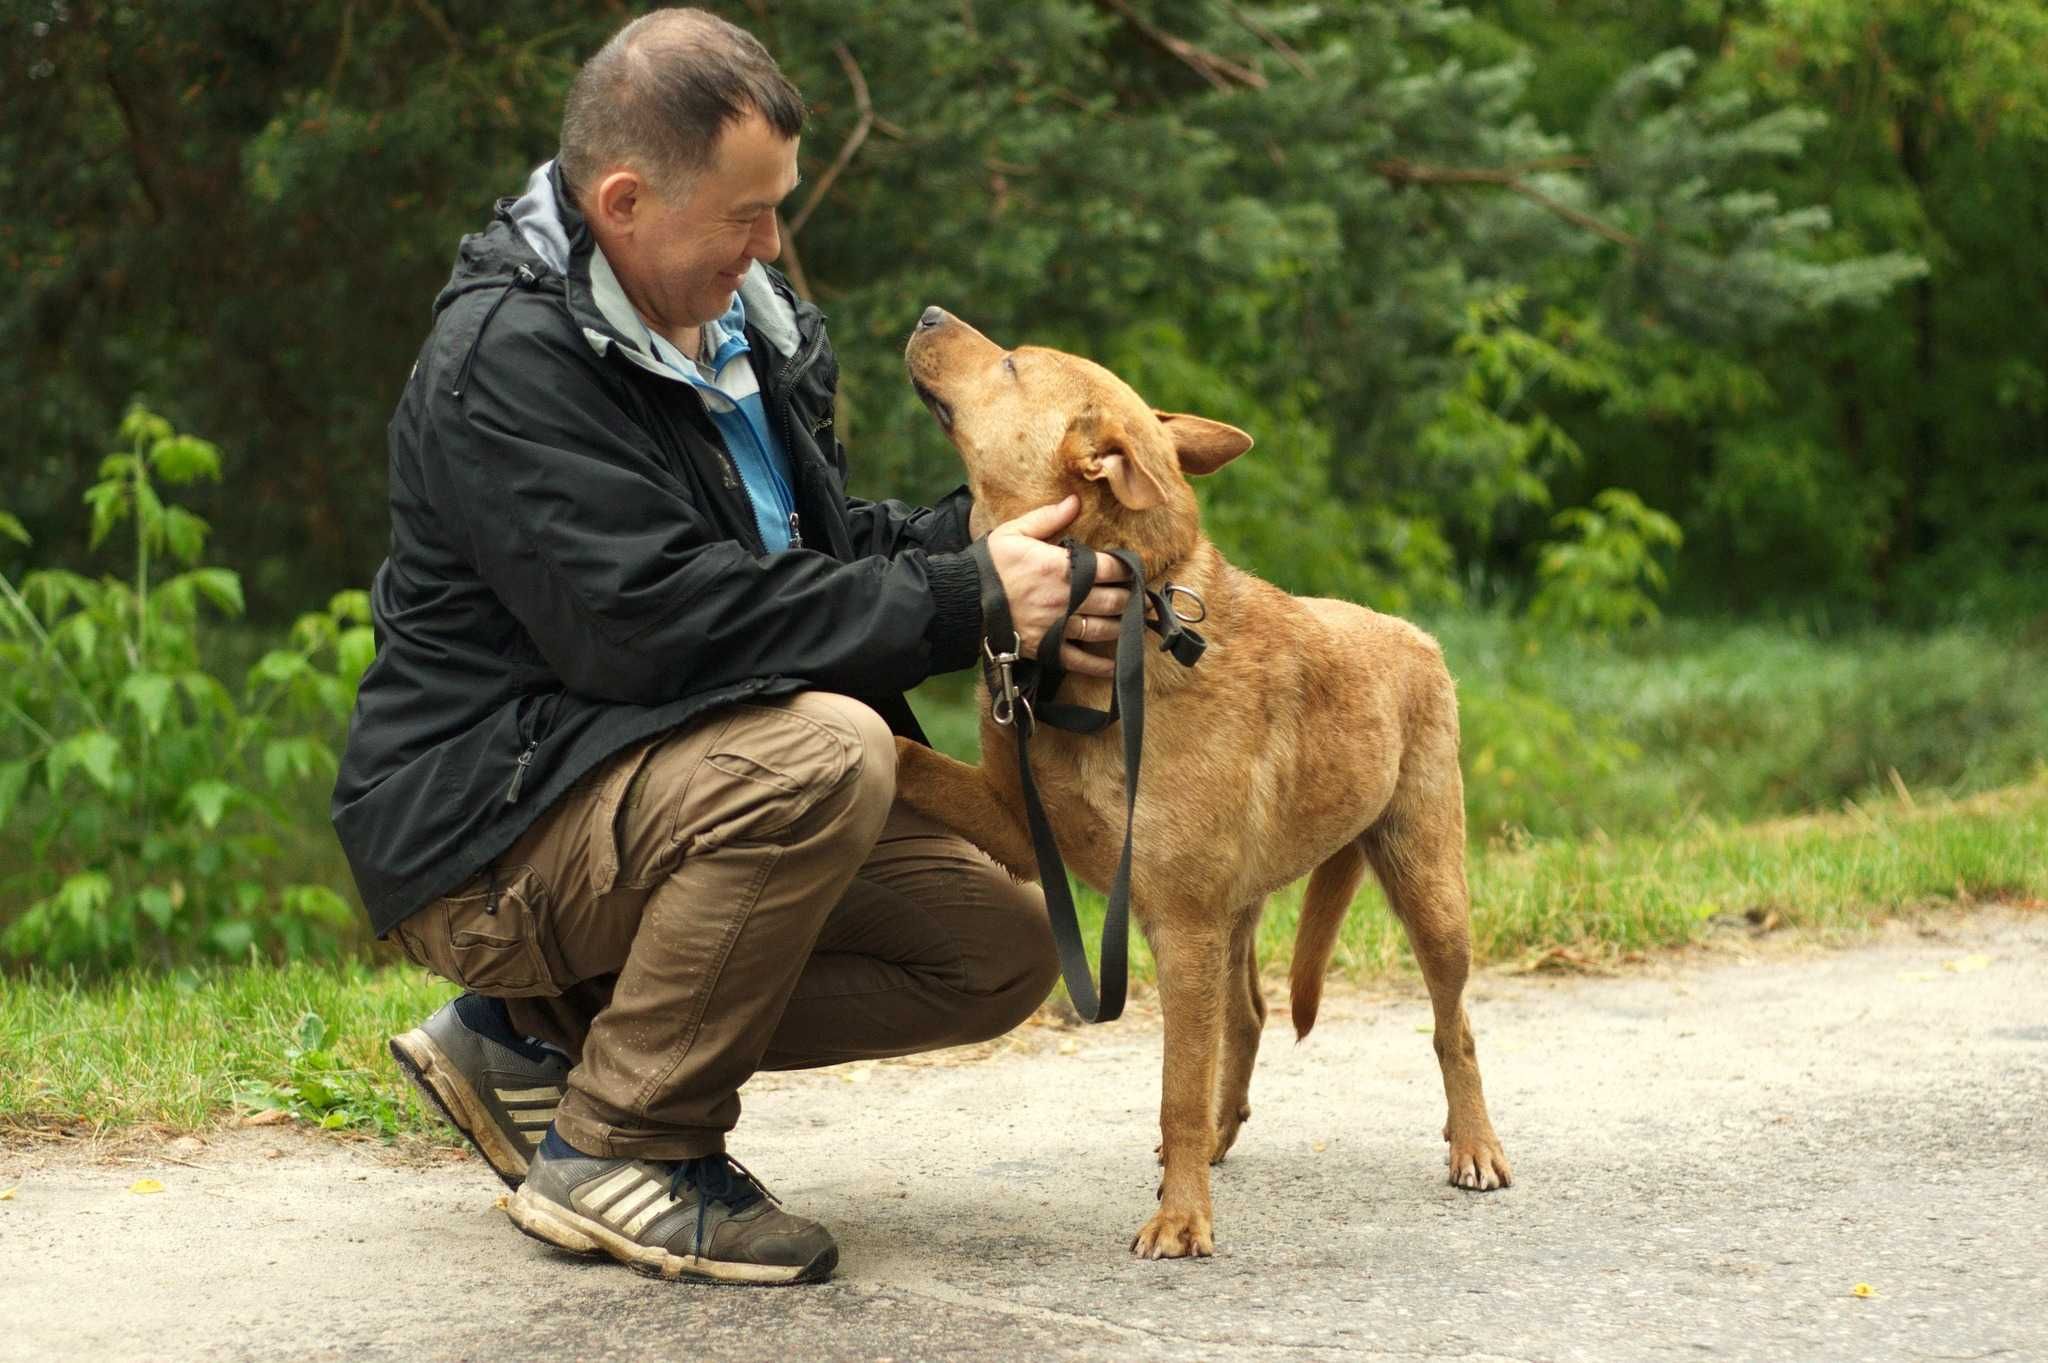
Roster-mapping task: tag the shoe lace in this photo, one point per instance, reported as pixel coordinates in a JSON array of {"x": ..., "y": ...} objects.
[{"x": 717, "y": 1178}]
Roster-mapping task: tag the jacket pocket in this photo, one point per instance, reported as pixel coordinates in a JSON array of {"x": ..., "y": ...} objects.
[{"x": 486, "y": 935}]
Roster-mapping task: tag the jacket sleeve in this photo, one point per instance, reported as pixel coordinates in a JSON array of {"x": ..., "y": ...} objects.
[
  {"x": 890, "y": 527},
  {"x": 626, "y": 586}
]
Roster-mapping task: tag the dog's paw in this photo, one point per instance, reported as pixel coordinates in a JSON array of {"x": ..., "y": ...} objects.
[
  {"x": 1479, "y": 1165},
  {"x": 1172, "y": 1234}
]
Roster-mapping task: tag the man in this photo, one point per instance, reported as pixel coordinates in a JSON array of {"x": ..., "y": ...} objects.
[{"x": 624, "y": 765}]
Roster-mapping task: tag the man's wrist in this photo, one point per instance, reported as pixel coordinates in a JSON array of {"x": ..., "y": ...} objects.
[{"x": 955, "y": 629}]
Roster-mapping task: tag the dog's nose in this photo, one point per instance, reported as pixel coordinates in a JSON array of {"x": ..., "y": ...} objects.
[{"x": 933, "y": 315}]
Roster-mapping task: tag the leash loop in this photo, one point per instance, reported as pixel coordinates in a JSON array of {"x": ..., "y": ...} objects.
[{"x": 1022, "y": 695}]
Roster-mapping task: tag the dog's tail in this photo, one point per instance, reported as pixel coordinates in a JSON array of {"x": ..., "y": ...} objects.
[{"x": 1330, "y": 891}]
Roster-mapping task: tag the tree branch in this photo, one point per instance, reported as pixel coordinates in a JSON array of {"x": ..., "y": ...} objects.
[
  {"x": 138, "y": 150},
  {"x": 849, "y": 147},
  {"x": 440, "y": 23},
  {"x": 1401, "y": 173},
  {"x": 1272, "y": 40},
  {"x": 792, "y": 263},
  {"x": 1220, "y": 72}
]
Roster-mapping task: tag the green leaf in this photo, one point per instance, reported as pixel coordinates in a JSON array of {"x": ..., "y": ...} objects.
[
  {"x": 185, "y": 458},
  {"x": 85, "y": 894},
  {"x": 232, "y": 936},
  {"x": 13, "y": 528},
  {"x": 320, "y": 903},
  {"x": 354, "y": 651},
  {"x": 157, "y": 906},
  {"x": 109, "y": 502},
  {"x": 277, "y": 666},
  {"x": 222, "y": 586},
  {"x": 13, "y": 781},
  {"x": 207, "y": 693},
  {"x": 185, "y": 533},
  {"x": 95, "y": 751},
  {"x": 353, "y": 605},
  {"x": 150, "y": 693},
  {"x": 144, "y": 427},
  {"x": 312, "y": 1034},
  {"x": 210, "y": 800}
]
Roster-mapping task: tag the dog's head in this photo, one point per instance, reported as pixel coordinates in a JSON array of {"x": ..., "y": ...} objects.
[{"x": 1034, "y": 425}]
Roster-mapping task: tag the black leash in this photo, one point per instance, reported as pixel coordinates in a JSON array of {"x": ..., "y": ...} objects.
[{"x": 1023, "y": 694}]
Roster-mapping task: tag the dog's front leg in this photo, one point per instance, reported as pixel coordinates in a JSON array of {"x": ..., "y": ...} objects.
[
  {"x": 963, "y": 799},
  {"x": 1191, "y": 969}
]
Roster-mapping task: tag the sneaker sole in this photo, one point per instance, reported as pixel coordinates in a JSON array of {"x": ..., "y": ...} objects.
[
  {"x": 554, "y": 1224},
  {"x": 448, "y": 1093}
]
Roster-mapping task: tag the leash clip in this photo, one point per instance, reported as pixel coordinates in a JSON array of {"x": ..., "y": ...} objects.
[{"x": 1002, "y": 705}]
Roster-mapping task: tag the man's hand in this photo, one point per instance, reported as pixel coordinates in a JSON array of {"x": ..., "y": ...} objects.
[{"x": 1034, "y": 577}]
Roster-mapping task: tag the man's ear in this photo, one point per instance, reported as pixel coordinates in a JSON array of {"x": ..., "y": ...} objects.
[
  {"x": 1103, "y": 453},
  {"x": 616, "y": 200},
  {"x": 1203, "y": 445}
]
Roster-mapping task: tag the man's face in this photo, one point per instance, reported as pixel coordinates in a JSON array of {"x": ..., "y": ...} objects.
[{"x": 685, "y": 255}]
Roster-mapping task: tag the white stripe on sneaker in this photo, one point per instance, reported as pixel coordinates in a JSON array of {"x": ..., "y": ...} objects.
[
  {"x": 552, "y": 1093},
  {"x": 647, "y": 1214},
  {"x": 611, "y": 1189},
  {"x": 622, "y": 1210}
]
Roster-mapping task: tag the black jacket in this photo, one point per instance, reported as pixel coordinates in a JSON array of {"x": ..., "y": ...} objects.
[{"x": 574, "y": 564}]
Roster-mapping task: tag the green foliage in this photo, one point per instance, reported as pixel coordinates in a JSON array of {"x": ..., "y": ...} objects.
[
  {"x": 1301, "y": 218},
  {"x": 323, "y": 1086},
  {"x": 1595, "y": 582},
  {"x": 150, "y": 795}
]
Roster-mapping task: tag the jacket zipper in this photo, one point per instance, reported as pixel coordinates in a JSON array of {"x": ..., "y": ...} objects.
[
  {"x": 526, "y": 757},
  {"x": 803, "y": 358}
]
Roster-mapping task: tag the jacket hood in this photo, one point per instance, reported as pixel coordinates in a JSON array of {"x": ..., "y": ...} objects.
[{"x": 543, "y": 231}]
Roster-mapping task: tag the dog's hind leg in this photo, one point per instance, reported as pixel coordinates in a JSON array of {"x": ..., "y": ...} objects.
[
  {"x": 1193, "y": 957},
  {"x": 1244, "y": 1020},
  {"x": 1418, "y": 850}
]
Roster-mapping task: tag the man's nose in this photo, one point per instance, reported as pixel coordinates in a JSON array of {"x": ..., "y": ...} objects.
[
  {"x": 768, "y": 237},
  {"x": 933, "y": 316}
]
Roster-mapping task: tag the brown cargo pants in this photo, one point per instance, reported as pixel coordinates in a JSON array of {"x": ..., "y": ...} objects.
[{"x": 743, "y": 893}]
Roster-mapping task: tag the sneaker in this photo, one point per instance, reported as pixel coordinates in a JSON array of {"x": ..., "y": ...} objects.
[
  {"x": 697, "y": 1218},
  {"x": 498, "y": 1088}
]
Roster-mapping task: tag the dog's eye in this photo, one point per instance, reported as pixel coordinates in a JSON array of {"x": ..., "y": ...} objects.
[{"x": 1010, "y": 363}]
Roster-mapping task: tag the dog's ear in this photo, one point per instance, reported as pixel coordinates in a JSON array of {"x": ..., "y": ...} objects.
[
  {"x": 1101, "y": 452},
  {"x": 1203, "y": 445}
]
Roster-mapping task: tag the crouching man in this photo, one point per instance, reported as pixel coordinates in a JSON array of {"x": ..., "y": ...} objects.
[{"x": 624, "y": 766}]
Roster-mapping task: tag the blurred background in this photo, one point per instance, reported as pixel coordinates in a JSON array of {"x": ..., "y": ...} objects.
[{"x": 1681, "y": 366}]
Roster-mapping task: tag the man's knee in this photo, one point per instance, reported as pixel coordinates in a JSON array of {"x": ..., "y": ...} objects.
[{"x": 862, "y": 756}]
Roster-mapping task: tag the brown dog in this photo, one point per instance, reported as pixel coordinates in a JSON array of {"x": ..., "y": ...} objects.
[{"x": 1314, "y": 738}]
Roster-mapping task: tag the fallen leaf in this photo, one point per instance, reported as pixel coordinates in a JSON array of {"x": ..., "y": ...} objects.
[
  {"x": 7, "y": 1194},
  {"x": 1963, "y": 965},
  {"x": 1319, "y": 1146},
  {"x": 501, "y": 1202},
  {"x": 1863, "y": 1290},
  {"x": 269, "y": 1116},
  {"x": 273, "y": 1153},
  {"x": 145, "y": 1185}
]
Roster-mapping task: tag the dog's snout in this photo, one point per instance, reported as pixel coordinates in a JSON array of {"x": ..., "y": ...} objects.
[{"x": 933, "y": 316}]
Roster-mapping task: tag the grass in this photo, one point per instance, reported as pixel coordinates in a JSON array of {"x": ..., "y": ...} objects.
[{"x": 185, "y": 1050}]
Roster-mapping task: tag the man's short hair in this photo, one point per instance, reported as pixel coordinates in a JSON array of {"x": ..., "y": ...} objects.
[{"x": 657, "y": 96}]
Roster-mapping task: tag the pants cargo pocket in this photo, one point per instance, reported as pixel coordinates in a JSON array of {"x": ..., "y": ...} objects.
[{"x": 485, "y": 937}]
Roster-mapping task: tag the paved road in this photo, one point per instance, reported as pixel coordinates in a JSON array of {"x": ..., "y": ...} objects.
[{"x": 1709, "y": 1157}]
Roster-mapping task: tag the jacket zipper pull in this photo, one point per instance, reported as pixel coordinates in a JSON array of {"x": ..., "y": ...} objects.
[
  {"x": 796, "y": 532},
  {"x": 512, "y": 791}
]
